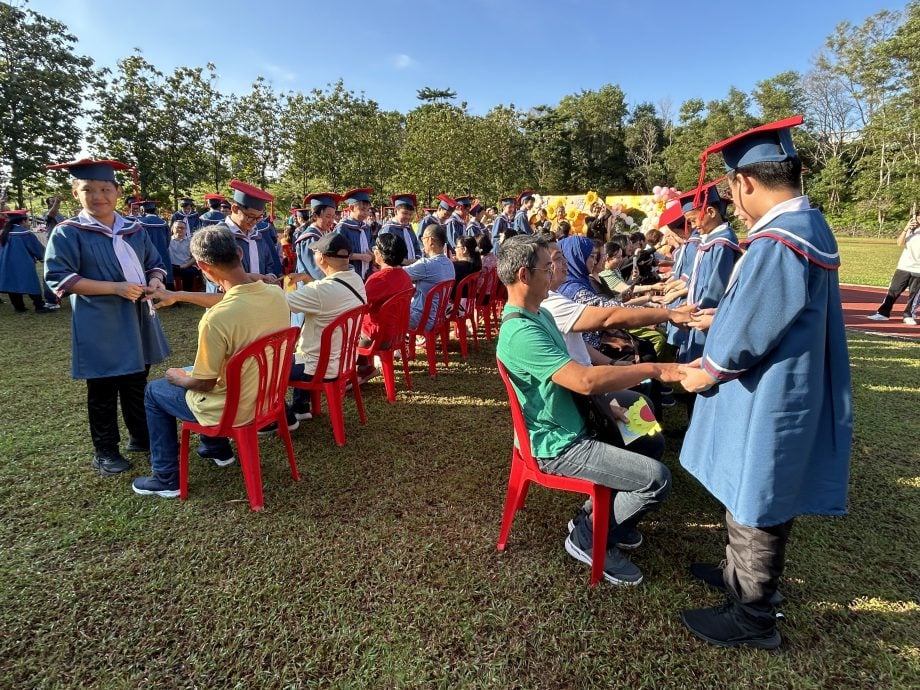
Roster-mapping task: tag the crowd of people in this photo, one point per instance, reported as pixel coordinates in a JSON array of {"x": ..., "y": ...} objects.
[{"x": 593, "y": 324}]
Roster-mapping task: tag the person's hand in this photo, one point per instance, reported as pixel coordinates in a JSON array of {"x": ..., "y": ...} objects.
[
  {"x": 129, "y": 291},
  {"x": 669, "y": 373},
  {"x": 678, "y": 317},
  {"x": 701, "y": 319},
  {"x": 156, "y": 284},
  {"x": 619, "y": 413},
  {"x": 162, "y": 298},
  {"x": 695, "y": 378},
  {"x": 174, "y": 374}
]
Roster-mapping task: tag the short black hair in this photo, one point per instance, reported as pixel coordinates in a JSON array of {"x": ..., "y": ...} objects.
[
  {"x": 773, "y": 174},
  {"x": 611, "y": 249},
  {"x": 565, "y": 227},
  {"x": 392, "y": 248},
  {"x": 620, "y": 239},
  {"x": 485, "y": 243},
  {"x": 637, "y": 237},
  {"x": 437, "y": 233}
]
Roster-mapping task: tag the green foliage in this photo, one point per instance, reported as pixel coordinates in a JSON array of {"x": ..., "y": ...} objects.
[{"x": 42, "y": 84}]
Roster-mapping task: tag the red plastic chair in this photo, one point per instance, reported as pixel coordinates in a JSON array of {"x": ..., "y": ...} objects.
[
  {"x": 442, "y": 292},
  {"x": 395, "y": 335},
  {"x": 524, "y": 470},
  {"x": 273, "y": 371},
  {"x": 348, "y": 328},
  {"x": 497, "y": 301},
  {"x": 483, "y": 299},
  {"x": 459, "y": 316}
]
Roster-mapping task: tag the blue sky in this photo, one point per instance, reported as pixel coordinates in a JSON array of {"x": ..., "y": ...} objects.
[{"x": 490, "y": 52}]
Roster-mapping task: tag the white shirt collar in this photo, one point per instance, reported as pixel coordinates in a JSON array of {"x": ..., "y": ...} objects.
[{"x": 799, "y": 203}]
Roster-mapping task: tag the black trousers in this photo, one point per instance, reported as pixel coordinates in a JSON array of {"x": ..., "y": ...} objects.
[
  {"x": 900, "y": 281},
  {"x": 19, "y": 303},
  {"x": 102, "y": 397},
  {"x": 755, "y": 559}
]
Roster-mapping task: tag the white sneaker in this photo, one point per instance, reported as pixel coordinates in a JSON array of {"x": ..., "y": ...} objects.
[
  {"x": 52, "y": 305},
  {"x": 910, "y": 320},
  {"x": 877, "y": 317}
]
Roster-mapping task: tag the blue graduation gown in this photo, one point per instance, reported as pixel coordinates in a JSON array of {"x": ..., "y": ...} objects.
[
  {"x": 683, "y": 266},
  {"x": 353, "y": 230},
  {"x": 521, "y": 224},
  {"x": 771, "y": 440},
  {"x": 192, "y": 220},
  {"x": 303, "y": 240},
  {"x": 17, "y": 262},
  {"x": 158, "y": 230},
  {"x": 474, "y": 228},
  {"x": 714, "y": 260},
  {"x": 406, "y": 232},
  {"x": 455, "y": 229},
  {"x": 267, "y": 233},
  {"x": 425, "y": 222},
  {"x": 210, "y": 218},
  {"x": 499, "y": 225},
  {"x": 111, "y": 336}
]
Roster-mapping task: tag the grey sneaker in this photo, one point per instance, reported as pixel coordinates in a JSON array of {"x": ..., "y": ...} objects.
[
  {"x": 910, "y": 320},
  {"x": 618, "y": 570},
  {"x": 630, "y": 542},
  {"x": 877, "y": 317}
]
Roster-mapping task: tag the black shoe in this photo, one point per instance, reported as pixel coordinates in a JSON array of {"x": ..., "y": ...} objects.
[
  {"x": 110, "y": 462},
  {"x": 43, "y": 310},
  {"x": 728, "y": 625},
  {"x": 709, "y": 573},
  {"x": 292, "y": 422},
  {"x": 135, "y": 446},
  {"x": 219, "y": 461}
]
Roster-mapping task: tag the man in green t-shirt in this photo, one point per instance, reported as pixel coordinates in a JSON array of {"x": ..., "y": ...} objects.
[{"x": 544, "y": 378}]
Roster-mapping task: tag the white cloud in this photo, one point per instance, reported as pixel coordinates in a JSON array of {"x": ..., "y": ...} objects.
[
  {"x": 278, "y": 71},
  {"x": 402, "y": 61}
]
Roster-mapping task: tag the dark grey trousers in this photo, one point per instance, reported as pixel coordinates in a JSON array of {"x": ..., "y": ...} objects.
[{"x": 755, "y": 558}]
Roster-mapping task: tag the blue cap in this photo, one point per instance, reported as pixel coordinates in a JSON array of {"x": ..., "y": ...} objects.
[
  {"x": 710, "y": 196},
  {"x": 186, "y": 201},
  {"x": 321, "y": 199},
  {"x": 770, "y": 143},
  {"x": 149, "y": 206},
  {"x": 409, "y": 200},
  {"x": 353, "y": 196},
  {"x": 446, "y": 202},
  {"x": 249, "y": 195},
  {"x": 88, "y": 169},
  {"x": 466, "y": 201},
  {"x": 508, "y": 201},
  {"x": 525, "y": 195}
]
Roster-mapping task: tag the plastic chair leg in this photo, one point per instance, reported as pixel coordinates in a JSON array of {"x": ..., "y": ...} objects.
[
  {"x": 522, "y": 497},
  {"x": 389, "y": 373},
  {"x": 183, "y": 464},
  {"x": 515, "y": 484},
  {"x": 359, "y": 399},
  {"x": 405, "y": 363},
  {"x": 336, "y": 414},
  {"x": 285, "y": 434},
  {"x": 445, "y": 339},
  {"x": 316, "y": 402},
  {"x": 460, "y": 328},
  {"x": 600, "y": 520},
  {"x": 247, "y": 442}
]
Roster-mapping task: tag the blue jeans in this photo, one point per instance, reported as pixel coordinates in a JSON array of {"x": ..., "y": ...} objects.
[
  {"x": 164, "y": 403},
  {"x": 640, "y": 482}
]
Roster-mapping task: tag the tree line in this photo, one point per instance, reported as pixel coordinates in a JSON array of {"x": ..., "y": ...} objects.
[{"x": 860, "y": 143}]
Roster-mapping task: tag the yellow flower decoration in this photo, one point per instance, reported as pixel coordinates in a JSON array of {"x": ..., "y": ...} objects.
[
  {"x": 590, "y": 198},
  {"x": 572, "y": 215}
]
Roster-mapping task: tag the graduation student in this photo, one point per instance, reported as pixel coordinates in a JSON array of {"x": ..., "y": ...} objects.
[
  {"x": 525, "y": 202},
  {"x": 438, "y": 216},
  {"x": 504, "y": 221},
  {"x": 771, "y": 432},
  {"x": 214, "y": 215},
  {"x": 456, "y": 223},
  {"x": 104, "y": 263},
  {"x": 401, "y": 225},
  {"x": 159, "y": 233},
  {"x": 354, "y": 228},
  {"x": 187, "y": 214},
  {"x": 19, "y": 250}
]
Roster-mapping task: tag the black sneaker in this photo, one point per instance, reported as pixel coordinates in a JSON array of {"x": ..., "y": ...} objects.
[
  {"x": 109, "y": 462},
  {"x": 618, "y": 570},
  {"x": 292, "y": 422},
  {"x": 43, "y": 310},
  {"x": 711, "y": 574},
  {"x": 728, "y": 626},
  {"x": 219, "y": 461},
  {"x": 135, "y": 446},
  {"x": 156, "y": 486},
  {"x": 667, "y": 400}
]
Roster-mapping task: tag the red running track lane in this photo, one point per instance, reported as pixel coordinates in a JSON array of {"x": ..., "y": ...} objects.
[{"x": 859, "y": 302}]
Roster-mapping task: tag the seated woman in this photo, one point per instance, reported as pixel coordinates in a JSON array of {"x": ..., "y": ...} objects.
[
  {"x": 581, "y": 257},
  {"x": 389, "y": 253},
  {"x": 484, "y": 244},
  {"x": 467, "y": 262}
]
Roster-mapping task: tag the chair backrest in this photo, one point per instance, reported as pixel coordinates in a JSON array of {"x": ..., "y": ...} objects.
[
  {"x": 499, "y": 292},
  {"x": 517, "y": 419},
  {"x": 465, "y": 290},
  {"x": 340, "y": 336},
  {"x": 395, "y": 325},
  {"x": 489, "y": 275},
  {"x": 436, "y": 302},
  {"x": 272, "y": 356}
]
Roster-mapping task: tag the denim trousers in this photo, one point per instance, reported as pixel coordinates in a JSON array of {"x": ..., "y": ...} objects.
[
  {"x": 165, "y": 403},
  {"x": 641, "y": 483}
]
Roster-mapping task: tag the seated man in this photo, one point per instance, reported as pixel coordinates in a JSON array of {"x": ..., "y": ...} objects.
[
  {"x": 246, "y": 311},
  {"x": 321, "y": 302},
  {"x": 427, "y": 272},
  {"x": 389, "y": 252},
  {"x": 545, "y": 377}
]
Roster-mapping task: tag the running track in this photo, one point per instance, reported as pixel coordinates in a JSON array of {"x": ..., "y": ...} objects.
[{"x": 859, "y": 302}]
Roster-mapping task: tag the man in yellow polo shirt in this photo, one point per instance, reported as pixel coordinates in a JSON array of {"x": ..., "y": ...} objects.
[{"x": 246, "y": 311}]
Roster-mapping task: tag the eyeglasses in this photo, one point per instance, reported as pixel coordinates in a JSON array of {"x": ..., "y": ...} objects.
[
  {"x": 550, "y": 269},
  {"x": 252, "y": 217}
]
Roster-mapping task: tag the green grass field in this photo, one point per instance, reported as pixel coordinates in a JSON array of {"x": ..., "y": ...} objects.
[
  {"x": 866, "y": 261},
  {"x": 379, "y": 568}
]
